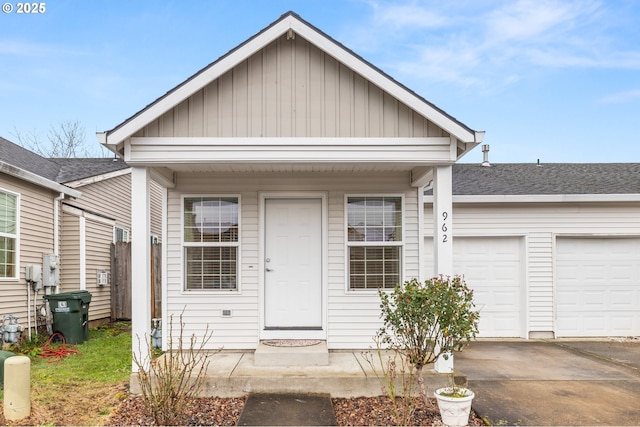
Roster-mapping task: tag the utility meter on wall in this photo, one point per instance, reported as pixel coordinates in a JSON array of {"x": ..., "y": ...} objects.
[{"x": 50, "y": 270}]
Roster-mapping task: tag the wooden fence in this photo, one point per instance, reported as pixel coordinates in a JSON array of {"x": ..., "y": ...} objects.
[{"x": 121, "y": 281}]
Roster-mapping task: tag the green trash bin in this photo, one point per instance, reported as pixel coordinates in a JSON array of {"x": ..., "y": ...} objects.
[{"x": 71, "y": 315}]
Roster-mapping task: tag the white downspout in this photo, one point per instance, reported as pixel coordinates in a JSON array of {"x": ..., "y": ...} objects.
[
  {"x": 56, "y": 251},
  {"x": 421, "y": 270},
  {"x": 56, "y": 220}
]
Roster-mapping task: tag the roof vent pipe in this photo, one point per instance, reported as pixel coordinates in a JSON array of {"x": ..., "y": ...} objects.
[{"x": 485, "y": 155}]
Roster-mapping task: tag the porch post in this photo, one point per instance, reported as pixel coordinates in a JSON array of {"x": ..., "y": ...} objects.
[
  {"x": 422, "y": 275},
  {"x": 442, "y": 220},
  {"x": 140, "y": 262},
  {"x": 443, "y": 236}
]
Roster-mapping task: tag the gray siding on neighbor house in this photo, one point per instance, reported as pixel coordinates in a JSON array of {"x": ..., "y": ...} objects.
[
  {"x": 98, "y": 257},
  {"x": 112, "y": 198},
  {"x": 104, "y": 203},
  {"x": 70, "y": 253},
  {"x": 109, "y": 197},
  {"x": 36, "y": 239}
]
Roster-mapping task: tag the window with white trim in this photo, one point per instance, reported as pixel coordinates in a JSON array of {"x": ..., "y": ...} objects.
[
  {"x": 120, "y": 234},
  {"x": 210, "y": 242},
  {"x": 374, "y": 241},
  {"x": 8, "y": 235}
]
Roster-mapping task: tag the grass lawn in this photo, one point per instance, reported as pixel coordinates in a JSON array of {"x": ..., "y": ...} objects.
[{"x": 83, "y": 387}]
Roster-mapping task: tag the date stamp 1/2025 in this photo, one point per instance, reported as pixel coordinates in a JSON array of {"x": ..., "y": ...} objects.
[{"x": 24, "y": 8}]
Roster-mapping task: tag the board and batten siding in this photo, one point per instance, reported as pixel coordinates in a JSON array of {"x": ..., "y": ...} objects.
[
  {"x": 540, "y": 224},
  {"x": 291, "y": 88},
  {"x": 36, "y": 239},
  {"x": 352, "y": 317}
]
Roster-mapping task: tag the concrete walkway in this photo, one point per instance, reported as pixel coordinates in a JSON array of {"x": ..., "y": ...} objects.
[
  {"x": 553, "y": 383},
  {"x": 299, "y": 409}
]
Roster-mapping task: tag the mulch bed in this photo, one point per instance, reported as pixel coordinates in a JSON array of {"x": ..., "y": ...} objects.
[{"x": 215, "y": 411}]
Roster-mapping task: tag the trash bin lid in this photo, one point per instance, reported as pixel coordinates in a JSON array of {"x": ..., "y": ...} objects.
[{"x": 85, "y": 296}]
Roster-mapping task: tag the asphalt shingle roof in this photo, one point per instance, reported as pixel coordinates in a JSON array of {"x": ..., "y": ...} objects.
[
  {"x": 79, "y": 168},
  {"x": 546, "y": 178},
  {"x": 57, "y": 170},
  {"x": 22, "y": 158}
]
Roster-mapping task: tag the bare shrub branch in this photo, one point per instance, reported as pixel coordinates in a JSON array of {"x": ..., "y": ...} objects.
[{"x": 174, "y": 380}]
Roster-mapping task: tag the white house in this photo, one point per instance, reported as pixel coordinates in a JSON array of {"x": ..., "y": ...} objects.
[{"x": 294, "y": 175}]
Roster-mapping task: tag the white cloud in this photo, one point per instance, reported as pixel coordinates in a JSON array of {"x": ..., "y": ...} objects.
[
  {"x": 408, "y": 17},
  {"x": 496, "y": 43}
]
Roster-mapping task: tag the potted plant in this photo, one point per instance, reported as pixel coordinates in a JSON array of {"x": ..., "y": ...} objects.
[
  {"x": 454, "y": 403},
  {"x": 425, "y": 321}
]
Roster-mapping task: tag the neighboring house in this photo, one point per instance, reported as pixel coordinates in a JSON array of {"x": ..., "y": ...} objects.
[
  {"x": 551, "y": 250},
  {"x": 294, "y": 173},
  {"x": 29, "y": 218},
  {"x": 72, "y": 208},
  {"x": 91, "y": 223}
]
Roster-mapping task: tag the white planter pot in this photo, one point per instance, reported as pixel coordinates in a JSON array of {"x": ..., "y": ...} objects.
[{"x": 454, "y": 410}]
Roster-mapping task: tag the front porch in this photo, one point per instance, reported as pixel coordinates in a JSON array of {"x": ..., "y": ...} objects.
[{"x": 348, "y": 374}]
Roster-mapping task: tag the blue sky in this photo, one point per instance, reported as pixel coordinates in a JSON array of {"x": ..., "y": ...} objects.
[{"x": 557, "y": 81}]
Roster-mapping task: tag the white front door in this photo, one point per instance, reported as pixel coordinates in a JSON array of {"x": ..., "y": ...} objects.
[{"x": 293, "y": 265}]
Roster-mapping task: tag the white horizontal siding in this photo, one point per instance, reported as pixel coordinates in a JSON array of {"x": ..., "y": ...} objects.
[
  {"x": 540, "y": 224},
  {"x": 352, "y": 317}
]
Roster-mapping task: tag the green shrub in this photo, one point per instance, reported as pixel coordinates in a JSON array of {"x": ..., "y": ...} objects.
[{"x": 423, "y": 321}]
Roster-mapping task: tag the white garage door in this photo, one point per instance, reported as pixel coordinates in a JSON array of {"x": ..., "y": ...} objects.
[
  {"x": 493, "y": 268},
  {"x": 598, "y": 287}
]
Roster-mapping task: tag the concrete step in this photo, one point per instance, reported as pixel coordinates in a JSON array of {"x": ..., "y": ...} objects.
[{"x": 306, "y": 355}]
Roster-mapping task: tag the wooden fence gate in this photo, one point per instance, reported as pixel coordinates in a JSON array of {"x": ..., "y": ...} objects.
[{"x": 121, "y": 281}]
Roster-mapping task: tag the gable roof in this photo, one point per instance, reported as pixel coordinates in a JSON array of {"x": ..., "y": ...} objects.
[
  {"x": 548, "y": 179},
  {"x": 52, "y": 173},
  {"x": 289, "y": 23}
]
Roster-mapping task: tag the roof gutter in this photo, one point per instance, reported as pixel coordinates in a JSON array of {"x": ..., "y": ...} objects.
[
  {"x": 37, "y": 179},
  {"x": 542, "y": 198}
]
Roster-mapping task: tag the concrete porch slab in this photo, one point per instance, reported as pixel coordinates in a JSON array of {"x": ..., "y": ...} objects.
[{"x": 348, "y": 374}]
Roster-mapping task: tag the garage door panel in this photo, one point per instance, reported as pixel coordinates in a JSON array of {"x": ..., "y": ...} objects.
[
  {"x": 598, "y": 286},
  {"x": 624, "y": 300},
  {"x": 493, "y": 268},
  {"x": 500, "y": 323}
]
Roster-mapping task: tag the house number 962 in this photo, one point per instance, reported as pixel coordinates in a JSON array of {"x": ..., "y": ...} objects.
[{"x": 445, "y": 237}]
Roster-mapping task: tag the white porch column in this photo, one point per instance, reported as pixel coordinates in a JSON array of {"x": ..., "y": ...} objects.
[
  {"x": 443, "y": 236},
  {"x": 140, "y": 262},
  {"x": 442, "y": 220},
  {"x": 422, "y": 275}
]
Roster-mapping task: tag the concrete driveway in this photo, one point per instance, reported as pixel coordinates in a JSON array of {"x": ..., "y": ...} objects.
[{"x": 555, "y": 382}]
